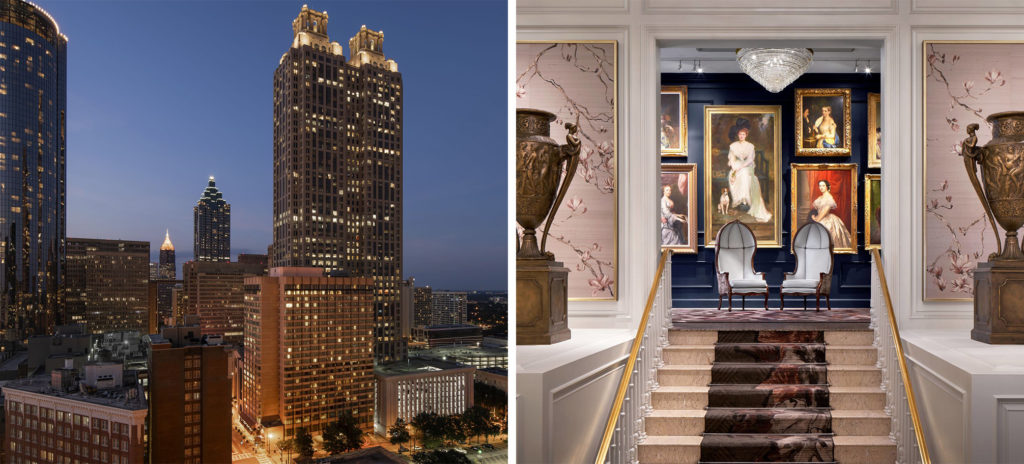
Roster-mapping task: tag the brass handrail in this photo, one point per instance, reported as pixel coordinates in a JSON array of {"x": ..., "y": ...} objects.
[
  {"x": 903, "y": 363},
  {"x": 620, "y": 395}
]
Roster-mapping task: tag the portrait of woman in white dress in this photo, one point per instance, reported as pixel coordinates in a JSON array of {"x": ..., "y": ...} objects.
[
  {"x": 821, "y": 212},
  {"x": 744, "y": 186}
]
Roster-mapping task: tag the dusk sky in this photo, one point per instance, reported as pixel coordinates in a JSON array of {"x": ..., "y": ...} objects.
[{"x": 162, "y": 95}]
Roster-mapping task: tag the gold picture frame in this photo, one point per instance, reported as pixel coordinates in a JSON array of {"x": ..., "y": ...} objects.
[
  {"x": 672, "y": 120},
  {"x": 812, "y": 140},
  {"x": 872, "y": 224},
  {"x": 599, "y": 278},
  {"x": 874, "y": 131},
  {"x": 840, "y": 180},
  {"x": 679, "y": 230},
  {"x": 758, "y": 183}
]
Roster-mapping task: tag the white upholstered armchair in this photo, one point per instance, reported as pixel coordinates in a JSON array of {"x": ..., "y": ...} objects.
[
  {"x": 812, "y": 246},
  {"x": 734, "y": 264}
]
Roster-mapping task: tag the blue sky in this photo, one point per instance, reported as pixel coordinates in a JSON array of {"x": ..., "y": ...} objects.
[{"x": 163, "y": 94}]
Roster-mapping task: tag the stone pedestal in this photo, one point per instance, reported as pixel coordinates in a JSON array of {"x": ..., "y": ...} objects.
[
  {"x": 541, "y": 302},
  {"x": 999, "y": 302}
]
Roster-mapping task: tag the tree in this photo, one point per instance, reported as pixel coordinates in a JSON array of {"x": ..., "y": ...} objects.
[
  {"x": 430, "y": 427},
  {"x": 454, "y": 428},
  {"x": 304, "y": 443},
  {"x": 440, "y": 457},
  {"x": 399, "y": 433},
  {"x": 286, "y": 444},
  {"x": 477, "y": 420},
  {"x": 343, "y": 434}
]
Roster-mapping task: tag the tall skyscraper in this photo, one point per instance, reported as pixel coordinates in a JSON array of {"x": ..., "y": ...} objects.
[
  {"x": 32, "y": 168},
  {"x": 108, "y": 284},
  {"x": 448, "y": 308},
  {"x": 212, "y": 226},
  {"x": 422, "y": 303},
  {"x": 168, "y": 269},
  {"x": 338, "y": 165},
  {"x": 308, "y": 351}
]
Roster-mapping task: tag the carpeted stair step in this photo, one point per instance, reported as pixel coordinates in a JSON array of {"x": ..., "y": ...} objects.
[
  {"x": 849, "y": 338},
  {"x": 854, "y": 376},
  {"x": 768, "y": 420},
  {"x": 675, "y": 422},
  {"x": 770, "y": 336},
  {"x": 768, "y": 396},
  {"x": 679, "y": 397},
  {"x": 864, "y": 449},
  {"x": 771, "y": 373},
  {"x": 861, "y": 422},
  {"x": 769, "y": 353},
  {"x": 689, "y": 354},
  {"x": 684, "y": 374},
  {"x": 669, "y": 449},
  {"x": 740, "y": 447}
]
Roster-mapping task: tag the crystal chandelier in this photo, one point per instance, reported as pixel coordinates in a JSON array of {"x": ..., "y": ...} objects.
[{"x": 774, "y": 68}]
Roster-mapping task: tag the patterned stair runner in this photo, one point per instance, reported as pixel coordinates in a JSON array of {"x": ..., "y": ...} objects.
[{"x": 768, "y": 400}]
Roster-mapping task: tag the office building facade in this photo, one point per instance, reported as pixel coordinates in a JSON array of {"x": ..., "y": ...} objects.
[
  {"x": 212, "y": 226},
  {"x": 338, "y": 165},
  {"x": 423, "y": 300},
  {"x": 215, "y": 293},
  {"x": 107, "y": 284},
  {"x": 33, "y": 104},
  {"x": 448, "y": 308},
  {"x": 405, "y": 389},
  {"x": 308, "y": 351}
]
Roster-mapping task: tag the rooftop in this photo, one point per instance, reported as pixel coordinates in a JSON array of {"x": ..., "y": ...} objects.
[
  {"x": 414, "y": 366},
  {"x": 460, "y": 350},
  {"x": 114, "y": 397}
]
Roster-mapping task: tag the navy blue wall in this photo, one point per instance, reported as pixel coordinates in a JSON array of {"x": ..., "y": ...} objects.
[{"x": 693, "y": 275}]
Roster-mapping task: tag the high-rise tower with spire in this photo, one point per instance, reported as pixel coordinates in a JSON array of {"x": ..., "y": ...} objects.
[
  {"x": 168, "y": 269},
  {"x": 212, "y": 226}
]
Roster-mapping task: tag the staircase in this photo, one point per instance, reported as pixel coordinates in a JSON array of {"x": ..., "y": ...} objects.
[{"x": 768, "y": 396}]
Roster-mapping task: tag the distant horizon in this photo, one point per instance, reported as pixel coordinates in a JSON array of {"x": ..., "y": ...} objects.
[{"x": 190, "y": 96}]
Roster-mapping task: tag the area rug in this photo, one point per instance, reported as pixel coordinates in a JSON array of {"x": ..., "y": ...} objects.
[{"x": 790, "y": 319}]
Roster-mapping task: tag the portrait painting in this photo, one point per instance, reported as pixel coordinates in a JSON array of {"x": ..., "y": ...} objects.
[
  {"x": 822, "y": 122},
  {"x": 673, "y": 120},
  {"x": 741, "y": 170},
  {"x": 872, "y": 211},
  {"x": 964, "y": 82},
  {"x": 577, "y": 82},
  {"x": 874, "y": 130},
  {"x": 678, "y": 207},
  {"x": 827, "y": 194}
]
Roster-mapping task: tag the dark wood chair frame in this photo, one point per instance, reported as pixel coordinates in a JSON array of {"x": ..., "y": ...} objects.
[
  {"x": 724, "y": 288},
  {"x": 824, "y": 282}
]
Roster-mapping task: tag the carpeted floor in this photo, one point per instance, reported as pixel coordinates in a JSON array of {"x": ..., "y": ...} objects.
[
  {"x": 768, "y": 400},
  {"x": 759, "y": 319}
]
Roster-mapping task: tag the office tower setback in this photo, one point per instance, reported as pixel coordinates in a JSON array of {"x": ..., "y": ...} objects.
[
  {"x": 32, "y": 168},
  {"x": 215, "y": 294},
  {"x": 168, "y": 269},
  {"x": 212, "y": 226},
  {"x": 62, "y": 418},
  {"x": 338, "y": 165},
  {"x": 448, "y": 308},
  {"x": 107, "y": 284},
  {"x": 423, "y": 300},
  {"x": 189, "y": 398},
  {"x": 308, "y": 351}
]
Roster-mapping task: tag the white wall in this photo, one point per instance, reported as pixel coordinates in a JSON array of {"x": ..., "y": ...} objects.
[{"x": 898, "y": 25}]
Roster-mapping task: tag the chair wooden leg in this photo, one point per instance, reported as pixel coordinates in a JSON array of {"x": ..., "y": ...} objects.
[
  {"x": 782, "y": 301},
  {"x": 743, "y": 306},
  {"x": 828, "y": 298},
  {"x": 817, "y": 302},
  {"x": 730, "y": 301},
  {"x": 805, "y": 302},
  {"x": 719, "y": 301},
  {"x": 765, "y": 301}
]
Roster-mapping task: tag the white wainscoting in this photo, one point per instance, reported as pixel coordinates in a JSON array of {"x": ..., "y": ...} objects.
[
  {"x": 565, "y": 393},
  {"x": 1009, "y": 424}
]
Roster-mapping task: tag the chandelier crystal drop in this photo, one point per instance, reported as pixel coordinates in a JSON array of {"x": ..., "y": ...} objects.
[{"x": 774, "y": 68}]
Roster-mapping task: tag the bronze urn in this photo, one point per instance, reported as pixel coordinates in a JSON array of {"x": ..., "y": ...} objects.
[
  {"x": 999, "y": 283},
  {"x": 544, "y": 171}
]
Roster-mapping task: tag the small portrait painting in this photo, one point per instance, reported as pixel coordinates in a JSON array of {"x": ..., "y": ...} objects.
[
  {"x": 874, "y": 130},
  {"x": 741, "y": 170},
  {"x": 678, "y": 205},
  {"x": 673, "y": 120},
  {"x": 827, "y": 194},
  {"x": 823, "y": 122},
  {"x": 872, "y": 211}
]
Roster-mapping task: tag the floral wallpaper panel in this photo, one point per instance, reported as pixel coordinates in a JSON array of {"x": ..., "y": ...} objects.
[
  {"x": 578, "y": 79},
  {"x": 964, "y": 83}
]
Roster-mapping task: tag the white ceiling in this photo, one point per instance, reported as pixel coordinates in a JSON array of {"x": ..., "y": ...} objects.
[{"x": 719, "y": 56}]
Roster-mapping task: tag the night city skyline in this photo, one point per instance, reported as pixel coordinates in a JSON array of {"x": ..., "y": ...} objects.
[{"x": 150, "y": 118}]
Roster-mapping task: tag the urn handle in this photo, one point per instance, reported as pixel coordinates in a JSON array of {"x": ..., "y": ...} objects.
[
  {"x": 571, "y": 157},
  {"x": 973, "y": 155}
]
